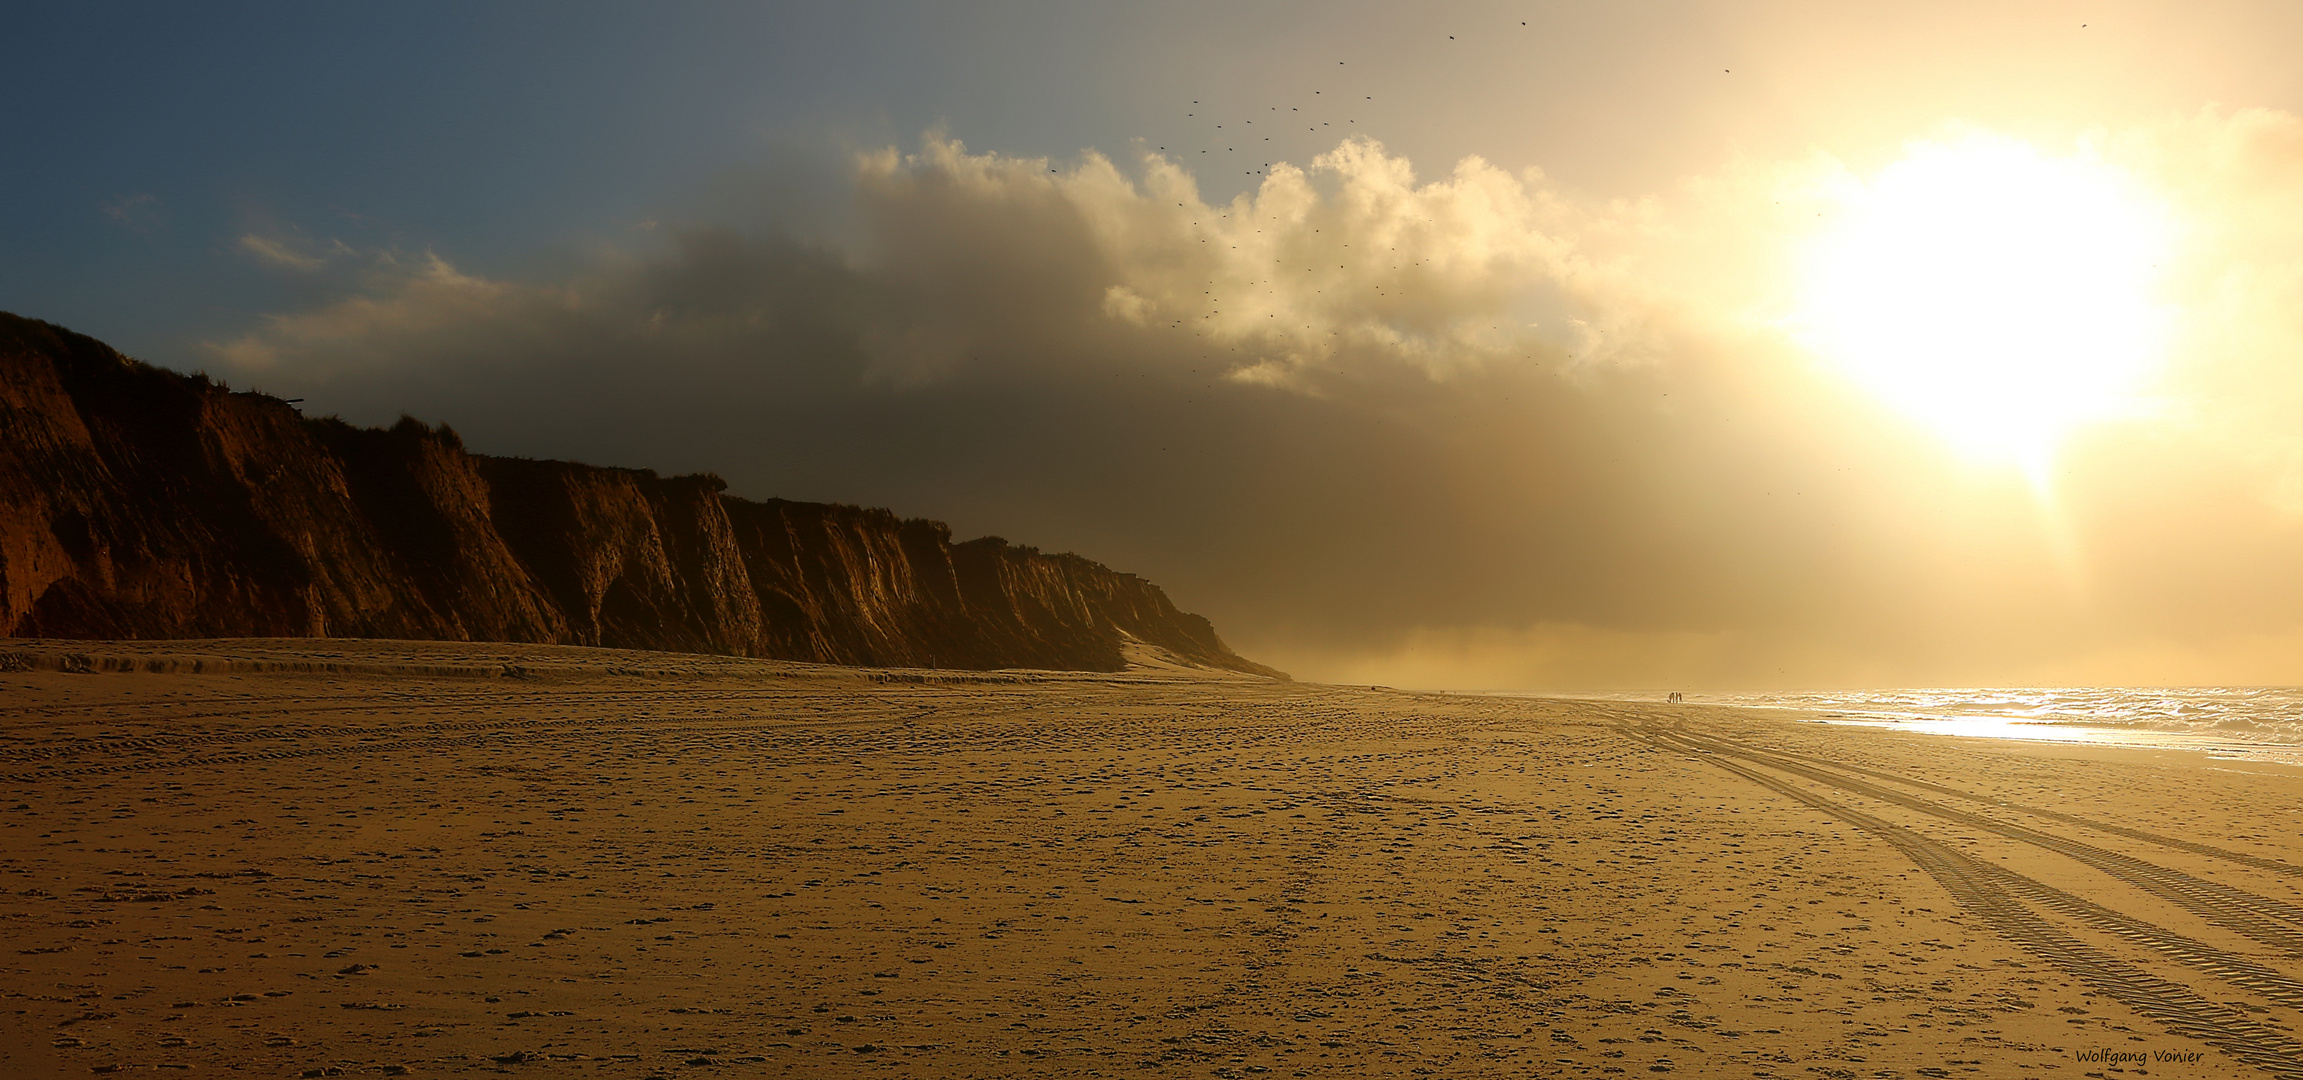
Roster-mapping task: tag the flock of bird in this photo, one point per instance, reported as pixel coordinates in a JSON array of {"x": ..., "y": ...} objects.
[
  {"x": 1220, "y": 135},
  {"x": 1228, "y": 136}
]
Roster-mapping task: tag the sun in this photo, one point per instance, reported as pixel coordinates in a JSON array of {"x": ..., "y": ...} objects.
[{"x": 1999, "y": 296}]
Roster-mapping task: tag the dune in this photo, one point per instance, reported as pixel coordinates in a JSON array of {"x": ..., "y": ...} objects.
[{"x": 306, "y": 857}]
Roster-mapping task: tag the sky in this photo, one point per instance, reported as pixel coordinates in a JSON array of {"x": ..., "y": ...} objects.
[{"x": 1468, "y": 346}]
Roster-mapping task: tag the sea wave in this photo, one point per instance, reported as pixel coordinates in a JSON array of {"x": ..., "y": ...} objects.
[{"x": 2251, "y": 721}]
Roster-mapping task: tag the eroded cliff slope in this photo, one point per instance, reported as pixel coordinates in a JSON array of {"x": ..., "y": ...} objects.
[{"x": 139, "y": 503}]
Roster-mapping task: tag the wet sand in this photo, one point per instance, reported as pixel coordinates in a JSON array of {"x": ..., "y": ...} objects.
[{"x": 296, "y": 858}]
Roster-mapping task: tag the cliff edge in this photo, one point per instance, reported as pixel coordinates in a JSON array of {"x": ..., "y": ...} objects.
[{"x": 139, "y": 503}]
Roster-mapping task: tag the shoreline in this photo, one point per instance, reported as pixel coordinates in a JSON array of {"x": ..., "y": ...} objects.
[{"x": 2287, "y": 752}]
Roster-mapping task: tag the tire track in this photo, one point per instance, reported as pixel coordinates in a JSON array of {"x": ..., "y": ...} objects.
[
  {"x": 1982, "y": 888},
  {"x": 2194, "y": 847},
  {"x": 83, "y": 747},
  {"x": 303, "y": 703},
  {"x": 293, "y": 753},
  {"x": 2260, "y": 918},
  {"x": 282, "y": 734},
  {"x": 894, "y": 718},
  {"x": 157, "y": 711},
  {"x": 2237, "y": 970},
  {"x": 396, "y": 745}
]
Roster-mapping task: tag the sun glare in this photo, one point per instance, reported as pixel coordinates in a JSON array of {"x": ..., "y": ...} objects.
[{"x": 1995, "y": 294}]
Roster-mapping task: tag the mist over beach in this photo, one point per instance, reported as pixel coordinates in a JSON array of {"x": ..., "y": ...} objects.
[{"x": 1189, "y": 539}]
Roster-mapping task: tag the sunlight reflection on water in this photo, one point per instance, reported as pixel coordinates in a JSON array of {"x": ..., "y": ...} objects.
[{"x": 2254, "y": 722}]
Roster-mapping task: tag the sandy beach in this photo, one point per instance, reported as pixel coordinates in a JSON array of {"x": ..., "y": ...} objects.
[{"x": 319, "y": 858}]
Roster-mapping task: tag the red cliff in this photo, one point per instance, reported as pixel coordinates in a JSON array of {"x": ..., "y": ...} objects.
[{"x": 139, "y": 503}]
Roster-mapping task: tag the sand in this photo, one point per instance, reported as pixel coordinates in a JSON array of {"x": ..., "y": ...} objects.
[{"x": 296, "y": 858}]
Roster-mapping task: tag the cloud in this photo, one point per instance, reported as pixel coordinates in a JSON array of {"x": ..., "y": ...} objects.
[
  {"x": 2233, "y": 177},
  {"x": 139, "y": 211},
  {"x": 1319, "y": 272},
  {"x": 1464, "y": 430},
  {"x": 277, "y": 253},
  {"x": 407, "y": 305},
  {"x": 1575, "y": 657}
]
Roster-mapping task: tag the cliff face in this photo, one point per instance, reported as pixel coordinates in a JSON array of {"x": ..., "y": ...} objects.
[{"x": 138, "y": 503}]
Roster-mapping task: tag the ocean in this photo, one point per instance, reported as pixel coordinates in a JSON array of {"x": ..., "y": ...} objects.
[{"x": 2250, "y": 722}]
